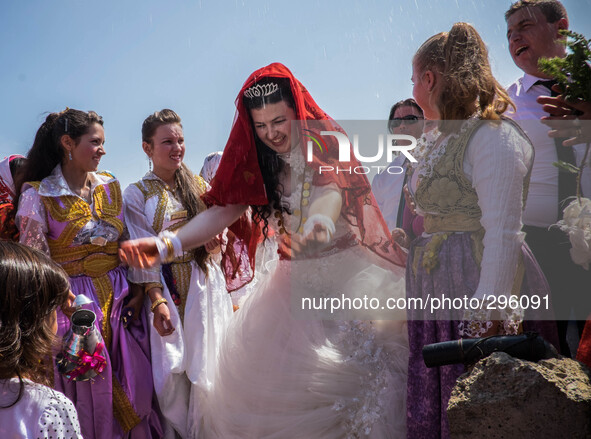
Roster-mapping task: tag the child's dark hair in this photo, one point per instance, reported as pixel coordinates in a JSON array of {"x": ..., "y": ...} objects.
[{"x": 32, "y": 286}]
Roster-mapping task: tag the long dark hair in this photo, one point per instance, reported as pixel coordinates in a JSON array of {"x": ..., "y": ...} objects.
[
  {"x": 47, "y": 151},
  {"x": 32, "y": 286},
  {"x": 186, "y": 185},
  {"x": 269, "y": 163}
]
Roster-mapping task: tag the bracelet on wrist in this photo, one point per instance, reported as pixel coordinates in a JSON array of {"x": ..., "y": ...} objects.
[
  {"x": 158, "y": 302},
  {"x": 169, "y": 250},
  {"x": 324, "y": 220},
  {"x": 169, "y": 246}
]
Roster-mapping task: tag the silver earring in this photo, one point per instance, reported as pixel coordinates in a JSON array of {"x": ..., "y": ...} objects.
[
  {"x": 150, "y": 164},
  {"x": 70, "y": 155}
]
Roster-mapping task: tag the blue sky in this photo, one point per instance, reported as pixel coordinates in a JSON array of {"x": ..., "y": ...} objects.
[{"x": 126, "y": 59}]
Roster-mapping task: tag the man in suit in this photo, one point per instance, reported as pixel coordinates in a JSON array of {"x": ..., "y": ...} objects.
[{"x": 533, "y": 32}]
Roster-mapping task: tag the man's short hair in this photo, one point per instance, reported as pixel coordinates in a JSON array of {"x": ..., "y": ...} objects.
[{"x": 553, "y": 10}]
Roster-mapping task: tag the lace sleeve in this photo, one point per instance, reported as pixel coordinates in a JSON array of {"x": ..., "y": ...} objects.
[
  {"x": 499, "y": 159},
  {"x": 138, "y": 227},
  {"x": 59, "y": 419},
  {"x": 31, "y": 221}
]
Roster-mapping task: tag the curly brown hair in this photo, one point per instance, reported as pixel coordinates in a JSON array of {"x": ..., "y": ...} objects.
[
  {"x": 467, "y": 84},
  {"x": 32, "y": 286}
]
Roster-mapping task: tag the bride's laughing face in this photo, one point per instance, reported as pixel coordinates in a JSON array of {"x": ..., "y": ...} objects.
[{"x": 272, "y": 124}]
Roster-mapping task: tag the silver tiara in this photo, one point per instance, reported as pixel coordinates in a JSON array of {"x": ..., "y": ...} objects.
[{"x": 258, "y": 90}]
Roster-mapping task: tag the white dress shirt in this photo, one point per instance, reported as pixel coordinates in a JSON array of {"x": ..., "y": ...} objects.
[
  {"x": 541, "y": 209},
  {"x": 387, "y": 188}
]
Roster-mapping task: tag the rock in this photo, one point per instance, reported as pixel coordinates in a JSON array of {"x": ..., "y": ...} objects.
[{"x": 505, "y": 397}]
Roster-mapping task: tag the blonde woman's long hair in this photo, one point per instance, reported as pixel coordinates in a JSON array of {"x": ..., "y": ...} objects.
[{"x": 467, "y": 84}]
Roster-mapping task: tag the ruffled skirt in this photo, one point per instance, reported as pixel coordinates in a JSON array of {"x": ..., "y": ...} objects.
[{"x": 279, "y": 376}]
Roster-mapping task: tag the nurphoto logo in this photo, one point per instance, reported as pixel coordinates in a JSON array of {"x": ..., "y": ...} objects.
[{"x": 394, "y": 143}]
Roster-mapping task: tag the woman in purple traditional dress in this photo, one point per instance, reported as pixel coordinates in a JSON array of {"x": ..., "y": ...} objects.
[
  {"x": 469, "y": 185},
  {"x": 75, "y": 214}
]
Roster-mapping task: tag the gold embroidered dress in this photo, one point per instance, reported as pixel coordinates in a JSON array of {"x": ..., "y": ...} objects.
[
  {"x": 184, "y": 362},
  {"x": 83, "y": 239}
]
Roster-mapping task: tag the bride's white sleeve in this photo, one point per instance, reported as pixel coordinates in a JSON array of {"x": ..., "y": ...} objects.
[
  {"x": 497, "y": 161},
  {"x": 209, "y": 224},
  {"x": 326, "y": 200},
  {"x": 31, "y": 221}
]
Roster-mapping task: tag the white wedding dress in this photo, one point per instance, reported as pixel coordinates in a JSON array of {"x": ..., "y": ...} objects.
[{"x": 283, "y": 374}]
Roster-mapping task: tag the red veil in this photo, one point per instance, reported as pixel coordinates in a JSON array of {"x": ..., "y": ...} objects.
[
  {"x": 238, "y": 180},
  {"x": 8, "y": 229}
]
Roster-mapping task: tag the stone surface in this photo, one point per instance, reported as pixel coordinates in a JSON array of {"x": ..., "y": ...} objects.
[{"x": 505, "y": 397}]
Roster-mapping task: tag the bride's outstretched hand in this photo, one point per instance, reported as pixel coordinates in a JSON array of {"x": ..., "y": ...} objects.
[
  {"x": 140, "y": 253},
  {"x": 318, "y": 236},
  {"x": 298, "y": 246}
]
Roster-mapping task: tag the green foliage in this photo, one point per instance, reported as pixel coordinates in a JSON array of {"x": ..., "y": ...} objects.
[
  {"x": 573, "y": 73},
  {"x": 566, "y": 167}
]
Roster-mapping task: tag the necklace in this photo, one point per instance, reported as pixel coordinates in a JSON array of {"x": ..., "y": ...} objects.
[{"x": 303, "y": 188}]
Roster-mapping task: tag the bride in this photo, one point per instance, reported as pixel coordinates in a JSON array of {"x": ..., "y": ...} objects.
[{"x": 285, "y": 370}]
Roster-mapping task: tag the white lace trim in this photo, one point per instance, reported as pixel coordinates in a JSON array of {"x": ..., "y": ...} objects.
[
  {"x": 295, "y": 159},
  {"x": 55, "y": 185}
]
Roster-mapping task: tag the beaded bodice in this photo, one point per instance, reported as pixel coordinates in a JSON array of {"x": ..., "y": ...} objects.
[{"x": 443, "y": 187}]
